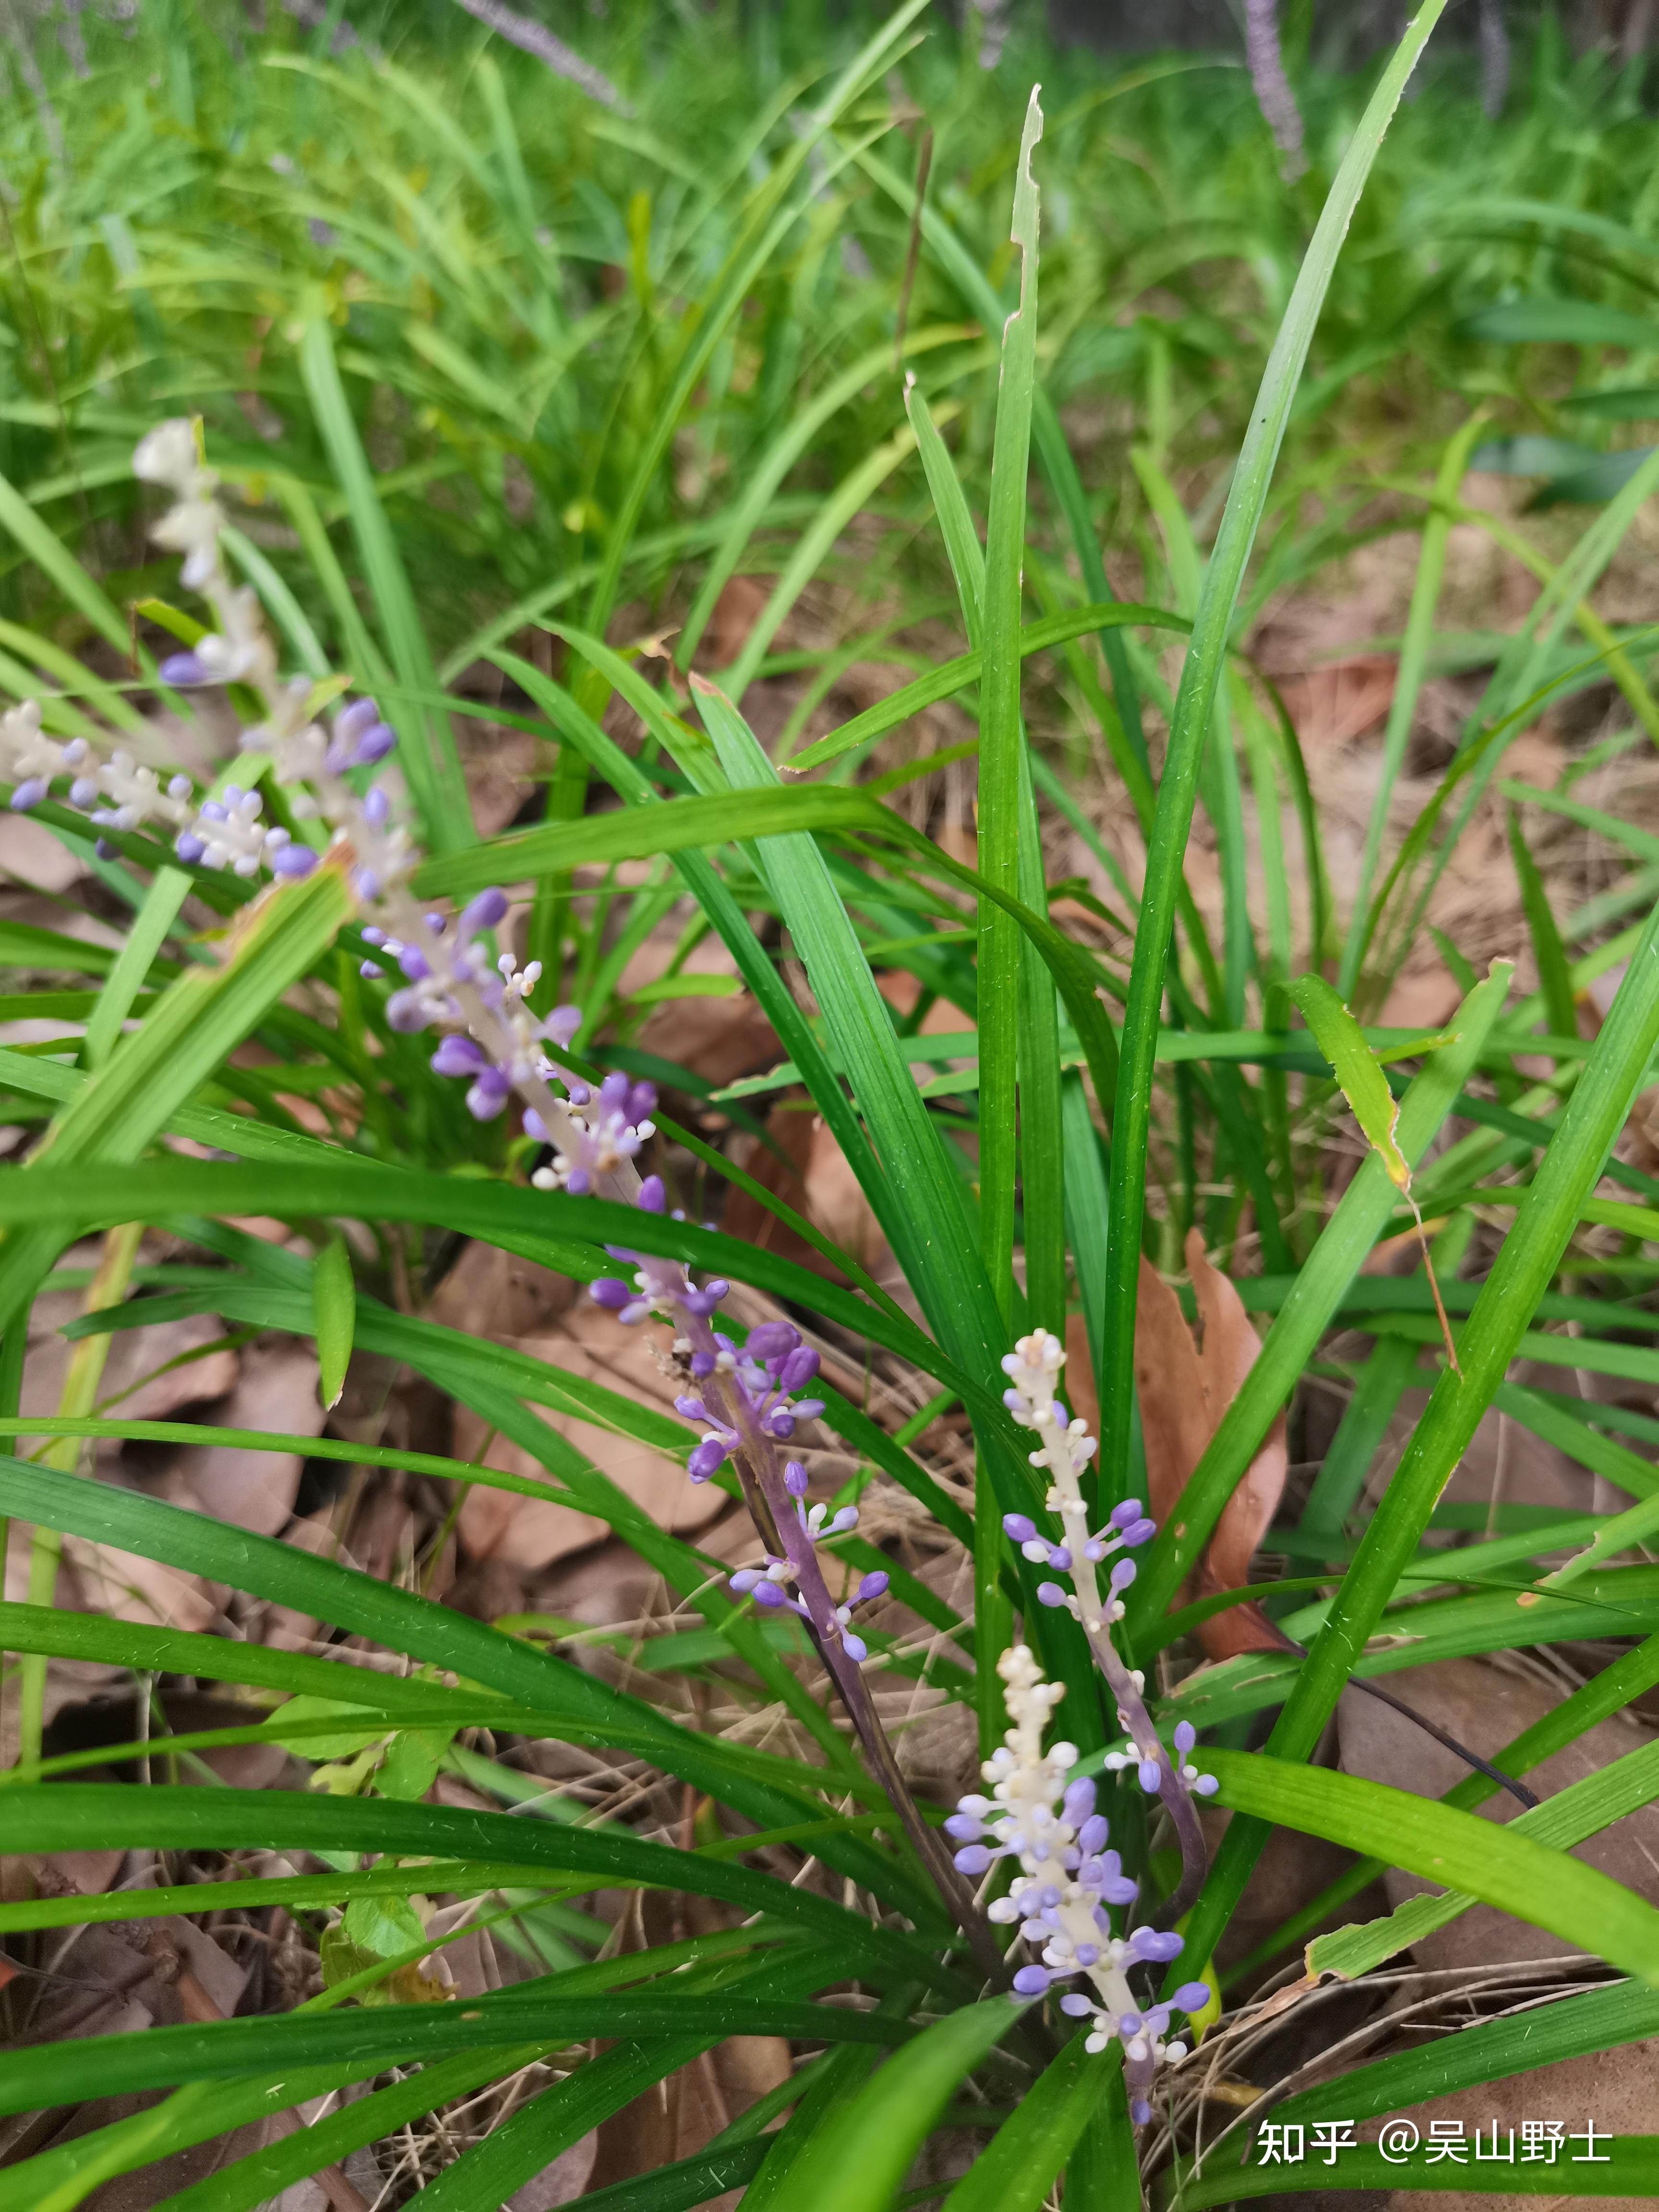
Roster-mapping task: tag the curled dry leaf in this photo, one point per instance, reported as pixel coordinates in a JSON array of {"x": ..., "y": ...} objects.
[{"x": 1185, "y": 1385}]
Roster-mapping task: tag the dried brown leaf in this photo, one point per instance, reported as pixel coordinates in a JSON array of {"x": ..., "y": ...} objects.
[{"x": 1185, "y": 1387}]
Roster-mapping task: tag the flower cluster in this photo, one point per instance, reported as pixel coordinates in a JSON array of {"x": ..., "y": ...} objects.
[
  {"x": 764, "y": 1378},
  {"x": 1066, "y": 1883},
  {"x": 774, "y": 1584},
  {"x": 1065, "y": 1449}
]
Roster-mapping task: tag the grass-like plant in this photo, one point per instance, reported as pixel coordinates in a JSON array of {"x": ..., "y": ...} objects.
[{"x": 1035, "y": 1961}]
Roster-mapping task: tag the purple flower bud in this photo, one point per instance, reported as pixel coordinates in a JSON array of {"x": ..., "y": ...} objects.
[
  {"x": 351, "y": 721},
  {"x": 374, "y": 746},
  {"x": 807, "y": 1409},
  {"x": 853, "y": 1646},
  {"x": 873, "y": 1585},
  {"x": 1139, "y": 2112},
  {"x": 702, "y": 1365},
  {"x": 614, "y": 1091},
  {"x": 295, "y": 861},
  {"x": 369, "y": 972},
  {"x": 1093, "y": 1834},
  {"x": 1050, "y": 1594},
  {"x": 1059, "y": 1557},
  {"x": 1086, "y": 1953},
  {"x": 1149, "y": 1773},
  {"x": 579, "y": 1182},
  {"x": 104, "y": 850},
  {"x": 562, "y": 1024},
  {"x": 1140, "y": 1532},
  {"x": 1123, "y": 1573},
  {"x": 766, "y": 1593},
  {"x": 367, "y": 884},
  {"x": 1030, "y": 1981},
  {"x": 745, "y": 1579},
  {"x": 972, "y": 1858},
  {"x": 707, "y": 1459},
  {"x": 773, "y": 1340},
  {"x": 482, "y": 912},
  {"x": 371, "y": 935},
  {"x": 458, "y": 1055},
  {"x": 794, "y": 1479},
  {"x": 83, "y": 793},
  {"x": 415, "y": 964},
  {"x": 1160, "y": 1944},
  {"x": 652, "y": 1197},
  {"x": 607, "y": 1292},
  {"x": 1207, "y": 1784},
  {"x": 1192, "y": 1996},
  {"x": 1123, "y": 1515},
  {"x": 189, "y": 847},
  {"x": 642, "y": 1101},
  {"x": 692, "y": 1409},
  {"x": 799, "y": 1368},
  {"x": 1077, "y": 2007},
  {"x": 535, "y": 1127},
  {"x": 1186, "y": 1736},
  {"x": 32, "y": 790},
  {"x": 1019, "y": 1526},
  {"x": 1078, "y": 1803},
  {"x": 182, "y": 668},
  {"x": 213, "y": 810},
  {"x": 966, "y": 1827},
  {"x": 406, "y": 1013}
]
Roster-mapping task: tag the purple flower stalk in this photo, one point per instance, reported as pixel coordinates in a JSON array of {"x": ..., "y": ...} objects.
[
  {"x": 1065, "y": 1449},
  {"x": 1067, "y": 1884}
]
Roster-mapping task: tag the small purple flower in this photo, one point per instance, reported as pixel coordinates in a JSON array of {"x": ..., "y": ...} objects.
[
  {"x": 367, "y": 884},
  {"x": 1050, "y": 1594},
  {"x": 377, "y": 808},
  {"x": 1159, "y": 1945},
  {"x": 373, "y": 746},
  {"x": 1140, "y": 2111},
  {"x": 1149, "y": 1774},
  {"x": 973, "y": 1858},
  {"x": 188, "y": 847},
  {"x": 182, "y": 668},
  {"x": 488, "y": 1093},
  {"x": 1019, "y": 1526},
  {"x": 84, "y": 794},
  {"x": 352, "y": 721},
  {"x": 1031, "y": 1981},
  {"x": 652, "y": 1197},
  {"x": 873, "y": 1585},
  {"x": 32, "y": 790},
  {"x": 1123, "y": 1515},
  {"x": 483, "y": 913},
  {"x": 707, "y": 1459},
  {"x": 794, "y": 1479},
  {"x": 607, "y": 1292},
  {"x": 1192, "y": 1996},
  {"x": 294, "y": 861},
  {"x": 772, "y": 1339},
  {"x": 458, "y": 1055},
  {"x": 799, "y": 1367}
]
